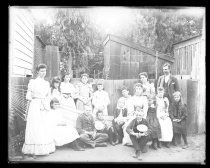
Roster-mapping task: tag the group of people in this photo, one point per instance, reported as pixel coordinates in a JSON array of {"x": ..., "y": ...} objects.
[{"x": 156, "y": 115}]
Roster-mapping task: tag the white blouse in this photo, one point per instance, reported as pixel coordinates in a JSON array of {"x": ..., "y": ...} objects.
[
  {"x": 100, "y": 97},
  {"x": 67, "y": 88}
]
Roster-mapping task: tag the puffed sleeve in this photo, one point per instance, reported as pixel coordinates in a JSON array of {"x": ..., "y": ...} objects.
[
  {"x": 46, "y": 101},
  {"x": 130, "y": 106},
  {"x": 30, "y": 89},
  {"x": 152, "y": 89}
]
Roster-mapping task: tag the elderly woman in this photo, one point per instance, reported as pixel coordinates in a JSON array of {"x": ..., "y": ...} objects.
[{"x": 148, "y": 88}]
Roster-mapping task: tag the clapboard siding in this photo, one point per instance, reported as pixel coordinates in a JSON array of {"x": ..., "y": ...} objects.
[{"x": 21, "y": 42}]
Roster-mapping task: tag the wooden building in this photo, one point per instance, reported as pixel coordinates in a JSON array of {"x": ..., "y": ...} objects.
[
  {"x": 21, "y": 42},
  {"x": 125, "y": 60},
  {"x": 21, "y": 56},
  {"x": 189, "y": 63}
]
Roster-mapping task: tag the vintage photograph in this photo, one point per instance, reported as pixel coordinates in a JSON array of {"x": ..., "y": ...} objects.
[{"x": 107, "y": 84}]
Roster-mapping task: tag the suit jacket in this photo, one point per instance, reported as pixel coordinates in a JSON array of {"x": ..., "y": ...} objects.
[
  {"x": 85, "y": 123},
  {"x": 173, "y": 85},
  {"x": 178, "y": 111}
]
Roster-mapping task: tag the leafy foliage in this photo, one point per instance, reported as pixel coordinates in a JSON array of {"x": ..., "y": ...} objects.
[
  {"x": 160, "y": 28},
  {"x": 78, "y": 37}
]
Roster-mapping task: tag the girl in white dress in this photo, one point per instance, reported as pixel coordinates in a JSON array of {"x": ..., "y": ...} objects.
[
  {"x": 137, "y": 100},
  {"x": 85, "y": 93},
  {"x": 163, "y": 117},
  {"x": 38, "y": 140},
  {"x": 100, "y": 100},
  {"x": 68, "y": 91},
  {"x": 66, "y": 97},
  {"x": 62, "y": 132}
]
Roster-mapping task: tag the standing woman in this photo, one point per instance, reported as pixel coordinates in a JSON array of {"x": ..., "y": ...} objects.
[
  {"x": 38, "y": 140},
  {"x": 148, "y": 88},
  {"x": 85, "y": 93}
]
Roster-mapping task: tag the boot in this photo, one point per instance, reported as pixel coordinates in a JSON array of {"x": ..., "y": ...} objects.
[
  {"x": 167, "y": 145},
  {"x": 76, "y": 147},
  {"x": 155, "y": 144},
  {"x": 151, "y": 146},
  {"x": 159, "y": 144},
  {"x": 144, "y": 150},
  {"x": 137, "y": 153},
  {"x": 101, "y": 144}
]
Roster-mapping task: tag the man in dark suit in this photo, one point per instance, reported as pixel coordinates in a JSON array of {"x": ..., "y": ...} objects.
[
  {"x": 85, "y": 126},
  {"x": 168, "y": 82}
]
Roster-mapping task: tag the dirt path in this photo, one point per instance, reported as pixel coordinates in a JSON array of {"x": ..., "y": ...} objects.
[{"x": 119, "y": 153}]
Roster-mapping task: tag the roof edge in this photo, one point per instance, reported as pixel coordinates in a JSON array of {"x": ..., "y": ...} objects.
[
  {"x": 39, "y": 38},
  {"x": 188, "y": 39}
]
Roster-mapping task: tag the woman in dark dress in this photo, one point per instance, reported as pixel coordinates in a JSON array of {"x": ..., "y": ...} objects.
[{"x": 154, "y": 123}]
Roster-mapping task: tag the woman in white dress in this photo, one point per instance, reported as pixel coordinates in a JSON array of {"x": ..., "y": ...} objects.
[
  {"x": 85, "y": 93},
  {"x": 148, "y": 88},
  {"x": 163, "y": 117},
  {"x": 38, "y": 140},
  {"x": 137, "y": 100},
  {"x": 65, "y": 92},
  {"x": 100, "y": 100},
  {"x": 62, "y": 132}
]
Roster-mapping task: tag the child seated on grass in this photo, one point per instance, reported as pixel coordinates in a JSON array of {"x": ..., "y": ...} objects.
[{"x": 103, "y": 126}]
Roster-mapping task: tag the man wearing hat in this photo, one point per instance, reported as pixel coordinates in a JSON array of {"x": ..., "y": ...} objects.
[
  {"x": 138, "y": 130},
  {"x": 100, "y": 99}
]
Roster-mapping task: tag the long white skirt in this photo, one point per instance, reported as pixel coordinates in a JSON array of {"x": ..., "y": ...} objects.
[
  {"x": 38, "y": 138},
  {"x": 64, "y": 135},
  {"x": 166, "y": 129},
  {"x": 68, "y": 102}
]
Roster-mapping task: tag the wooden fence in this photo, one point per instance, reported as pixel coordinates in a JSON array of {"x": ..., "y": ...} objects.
[{"x": 188, "y": 89}]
